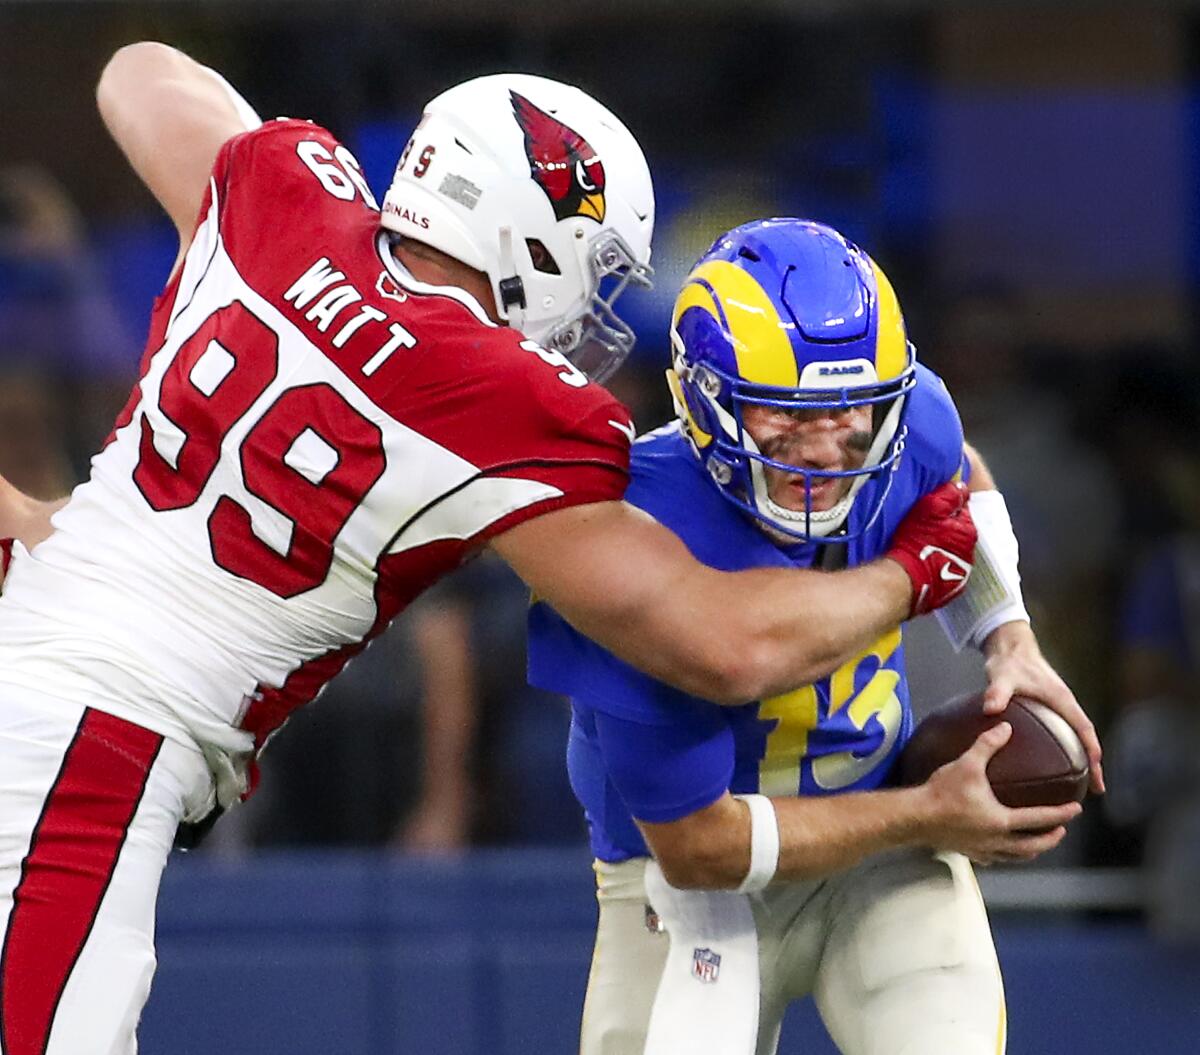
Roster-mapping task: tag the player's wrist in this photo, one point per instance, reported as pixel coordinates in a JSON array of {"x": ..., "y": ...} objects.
[
  {"x": 916, "y": 587},
  {"x": 764, "y": 843},
  {"x": 908, "y": 817},
  {"x": 900, "y": 581},
  {"x": 1009, "y": 638},
  {"x": 913, "y": 817},
  {"x": 920, "y": 815}
]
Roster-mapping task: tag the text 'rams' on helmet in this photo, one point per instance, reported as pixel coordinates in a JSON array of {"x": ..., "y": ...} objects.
[
  {"x": 539, "y": 186},
  {"x": 787, "y": 313}
]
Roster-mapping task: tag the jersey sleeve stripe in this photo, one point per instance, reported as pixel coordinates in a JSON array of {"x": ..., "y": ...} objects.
[
  {"x": 204, "y": 246},
  {"x": 468, "y": 510},
  {"x": 519, "y": 516}
]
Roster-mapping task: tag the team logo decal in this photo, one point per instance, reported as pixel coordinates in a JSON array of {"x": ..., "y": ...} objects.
[
  {"x": 386, "y": 286},
  {"x": 706, "y": 965},
  {"x": 562, "y": 162},
  {"x": 953, "y": 569}
]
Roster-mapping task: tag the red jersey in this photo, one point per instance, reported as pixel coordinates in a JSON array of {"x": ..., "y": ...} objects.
[{"x": 316, "y": 438}]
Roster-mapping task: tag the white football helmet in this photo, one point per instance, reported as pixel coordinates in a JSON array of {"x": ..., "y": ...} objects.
[{"x": 539, "y": 186}]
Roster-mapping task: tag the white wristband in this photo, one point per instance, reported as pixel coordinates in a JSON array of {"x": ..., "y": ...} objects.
[
  {"x": 244, "y": 110},
  {"x": 993, "y": 594},
  {"x": 764, "y": 843}
]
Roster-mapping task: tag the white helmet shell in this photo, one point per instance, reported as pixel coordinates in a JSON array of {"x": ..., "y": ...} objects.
[{"x": 537, "y": 185}]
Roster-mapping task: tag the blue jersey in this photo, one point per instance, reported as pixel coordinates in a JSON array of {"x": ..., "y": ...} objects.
[{"x": 640, "y": 748}]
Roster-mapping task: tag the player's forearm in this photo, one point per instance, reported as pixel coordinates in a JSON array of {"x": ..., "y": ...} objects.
[
  {"x": 789, "y": 631},
  {"x": 821, "y": 836},
  {"x": 631, "y": 585},
  {"x": 794, "y": 630},
  {"x": 733, "y": 637},
  {"x": 818, "y": 836},
  {"x": 449, "y": 704},
  {"x": 736, "y": 637},
  {"x": 992, "y": 600},
  {"x": 721, "y": 847}
]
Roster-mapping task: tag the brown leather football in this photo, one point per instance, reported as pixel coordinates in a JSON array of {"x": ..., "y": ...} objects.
[{"x": 1043, "y": 764}]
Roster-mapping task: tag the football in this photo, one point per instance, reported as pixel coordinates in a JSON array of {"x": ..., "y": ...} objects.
[{"x": 1043, "y": 764}]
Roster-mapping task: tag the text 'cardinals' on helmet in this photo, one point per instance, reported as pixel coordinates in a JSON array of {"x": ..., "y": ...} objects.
[
  {"x": 788, "y": 314},
  {"x": 539, "y": 186}
]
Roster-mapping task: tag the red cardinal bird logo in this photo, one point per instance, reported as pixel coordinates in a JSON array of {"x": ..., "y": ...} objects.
[{"x": 562, "y": 161}]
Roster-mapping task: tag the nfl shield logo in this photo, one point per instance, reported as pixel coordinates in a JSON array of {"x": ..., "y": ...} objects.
[{"x": 706, "y": 964}]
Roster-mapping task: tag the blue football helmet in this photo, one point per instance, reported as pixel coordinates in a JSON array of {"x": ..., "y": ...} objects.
[{"x": 788, "y": 313}]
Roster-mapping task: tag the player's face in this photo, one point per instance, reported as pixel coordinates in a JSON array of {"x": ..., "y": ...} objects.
[{"x": 834, "y": 440}]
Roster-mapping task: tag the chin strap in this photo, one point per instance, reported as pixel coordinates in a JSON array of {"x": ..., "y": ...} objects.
[{"x": 510, "y": 288}]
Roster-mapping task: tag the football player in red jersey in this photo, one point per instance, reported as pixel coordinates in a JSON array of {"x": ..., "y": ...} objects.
[{"x": 337, "y": 406}]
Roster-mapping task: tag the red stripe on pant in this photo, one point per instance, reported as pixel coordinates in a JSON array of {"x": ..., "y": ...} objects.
[{"x": 70, "y": 864}]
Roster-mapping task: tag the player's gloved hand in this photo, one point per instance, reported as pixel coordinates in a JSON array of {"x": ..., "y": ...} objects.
[
  {"x": 935, "y": 545},
  {"x": 6, "y": 545}
]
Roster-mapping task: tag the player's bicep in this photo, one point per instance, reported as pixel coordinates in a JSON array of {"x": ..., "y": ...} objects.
[
  {"x": 622, "y": 579},
  {"x": 169, "y": 116}
]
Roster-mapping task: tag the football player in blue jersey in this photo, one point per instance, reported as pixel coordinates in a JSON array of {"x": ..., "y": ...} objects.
[{"x": 807, "y": 431}]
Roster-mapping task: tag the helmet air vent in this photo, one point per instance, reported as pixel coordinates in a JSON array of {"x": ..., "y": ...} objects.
[{"x": 543, "y": 259}]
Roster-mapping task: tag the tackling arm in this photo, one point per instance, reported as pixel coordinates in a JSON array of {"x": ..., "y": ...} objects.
[
  {"x": 170, "y": 116},
  {"x": 627, "y": 582},
  {"x": 630, "y": 584}
]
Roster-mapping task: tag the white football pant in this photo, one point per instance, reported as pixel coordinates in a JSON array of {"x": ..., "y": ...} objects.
[
  {"x": 89, "y": 806},
  {"x": 710, "y": 932},
  {"x": 897, "y": 954}
]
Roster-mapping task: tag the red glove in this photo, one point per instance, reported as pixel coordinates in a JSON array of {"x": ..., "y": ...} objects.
[{"x": 935, "y": 544}]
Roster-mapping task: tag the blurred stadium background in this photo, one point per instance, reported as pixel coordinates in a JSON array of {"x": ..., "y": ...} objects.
[{"x": 413, "y": 875}]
